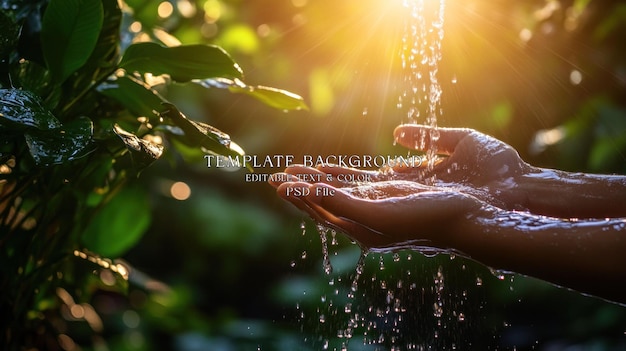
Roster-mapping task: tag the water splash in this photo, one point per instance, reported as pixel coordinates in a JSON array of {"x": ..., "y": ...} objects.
[{"x": 326, "y": 264}]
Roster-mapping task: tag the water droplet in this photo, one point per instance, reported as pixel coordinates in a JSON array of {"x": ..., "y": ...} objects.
[
  {"x": 454, "y": 80},
  {"x": 303, "y": 227},
  {"x": 303, "y": 255},
  {"x": 328, "y": 267},
  {"x": 499, "y": 275},
  {"x": 479, "y": 281},
  {"x": 364, "y": 113},
  {"x": 461, "y": 317}
]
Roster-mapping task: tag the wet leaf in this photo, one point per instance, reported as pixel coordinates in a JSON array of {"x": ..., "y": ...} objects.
[
  {"x": 60, "y": 145},
  {"x": 197, "y": 134},
  {"x": 70, "y": 30},
  {"x": 182, "y": 63},
  {"x": 142, "y": 152},
  {"x": 22, "y": 109},
  {"x": 277, "y": 98},
  {"x": 119, "y": 224},
  {"x": 135, "y": 95}
]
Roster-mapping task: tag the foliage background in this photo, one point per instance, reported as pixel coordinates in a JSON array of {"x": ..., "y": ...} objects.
[{"x": 224, "y": 269}]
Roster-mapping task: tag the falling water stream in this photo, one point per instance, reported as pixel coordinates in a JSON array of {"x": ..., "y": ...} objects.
[
  {"x": 420, "y": 53},
  {"x": 385, "y": 324}
]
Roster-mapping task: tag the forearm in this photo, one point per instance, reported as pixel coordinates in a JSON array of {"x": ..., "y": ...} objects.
[
  {"x": 587, "y": 256},
  {"x": 570, "y": 195}
]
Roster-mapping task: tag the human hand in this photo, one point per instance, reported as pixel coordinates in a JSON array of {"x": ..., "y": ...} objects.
[
  {"x": 473, "y": 162},
  {"x": 379, "y": 215},
  {"x": 396, "y": 207}
]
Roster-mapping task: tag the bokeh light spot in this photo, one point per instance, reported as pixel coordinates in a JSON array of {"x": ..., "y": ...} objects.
[
  {"x": 575, "y": 77},
  {"x": 212, "y": 11},
  {"x": 208, "y": 30},
  {"x": 525, "y": 34},
  {"x": 263, "y": 30},
  {"x": 241, "y": 38},
  {"x": 135, "y": 27},
  {"x": 186, "y": 8},
  {"x": 180, "y": 191},
  {"x": 131, "y": 319},
  {"x": 165, "y": 9}
]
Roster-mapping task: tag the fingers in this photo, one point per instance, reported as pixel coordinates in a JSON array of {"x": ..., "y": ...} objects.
[
  {"x": 305, "y": 200},
  {"x": 391, "y": 221},
  {"x": 380, "y": 215},
  {"x": 383, "y": 214},
  {"x": 288, "y": 192},
  {"x": 414, "y": 136}
]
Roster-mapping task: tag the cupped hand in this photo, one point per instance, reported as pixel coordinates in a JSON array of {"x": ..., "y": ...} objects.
[
  {"x": 473, "y": 162},
  {"x": 396, "y": 207},
  {"x": 472, "y": 157},
  {"x": 382, "y": 214}
]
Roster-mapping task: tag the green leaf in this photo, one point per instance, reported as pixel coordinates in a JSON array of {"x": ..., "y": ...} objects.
[
  {"x": 9, "y": 34},
  {"x": 197, "y": 134},
  {"x": 119, "y": 224},
  {"x": 105, "y": 55},
  {"x": 135, "y": 95},
  {"x": 22, "y": 109},
  {"x": 182, "y": 63},
  {"x": 142, "y": 152},
  {"x": 106, "y": 50},
  {"x": 277, "y": 98},
  {"x": 60, "y": 145},
  {"x": 70, "y": 30}
]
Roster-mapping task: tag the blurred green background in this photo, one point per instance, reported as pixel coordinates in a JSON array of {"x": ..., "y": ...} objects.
[{"x": 229, "y": 267}]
